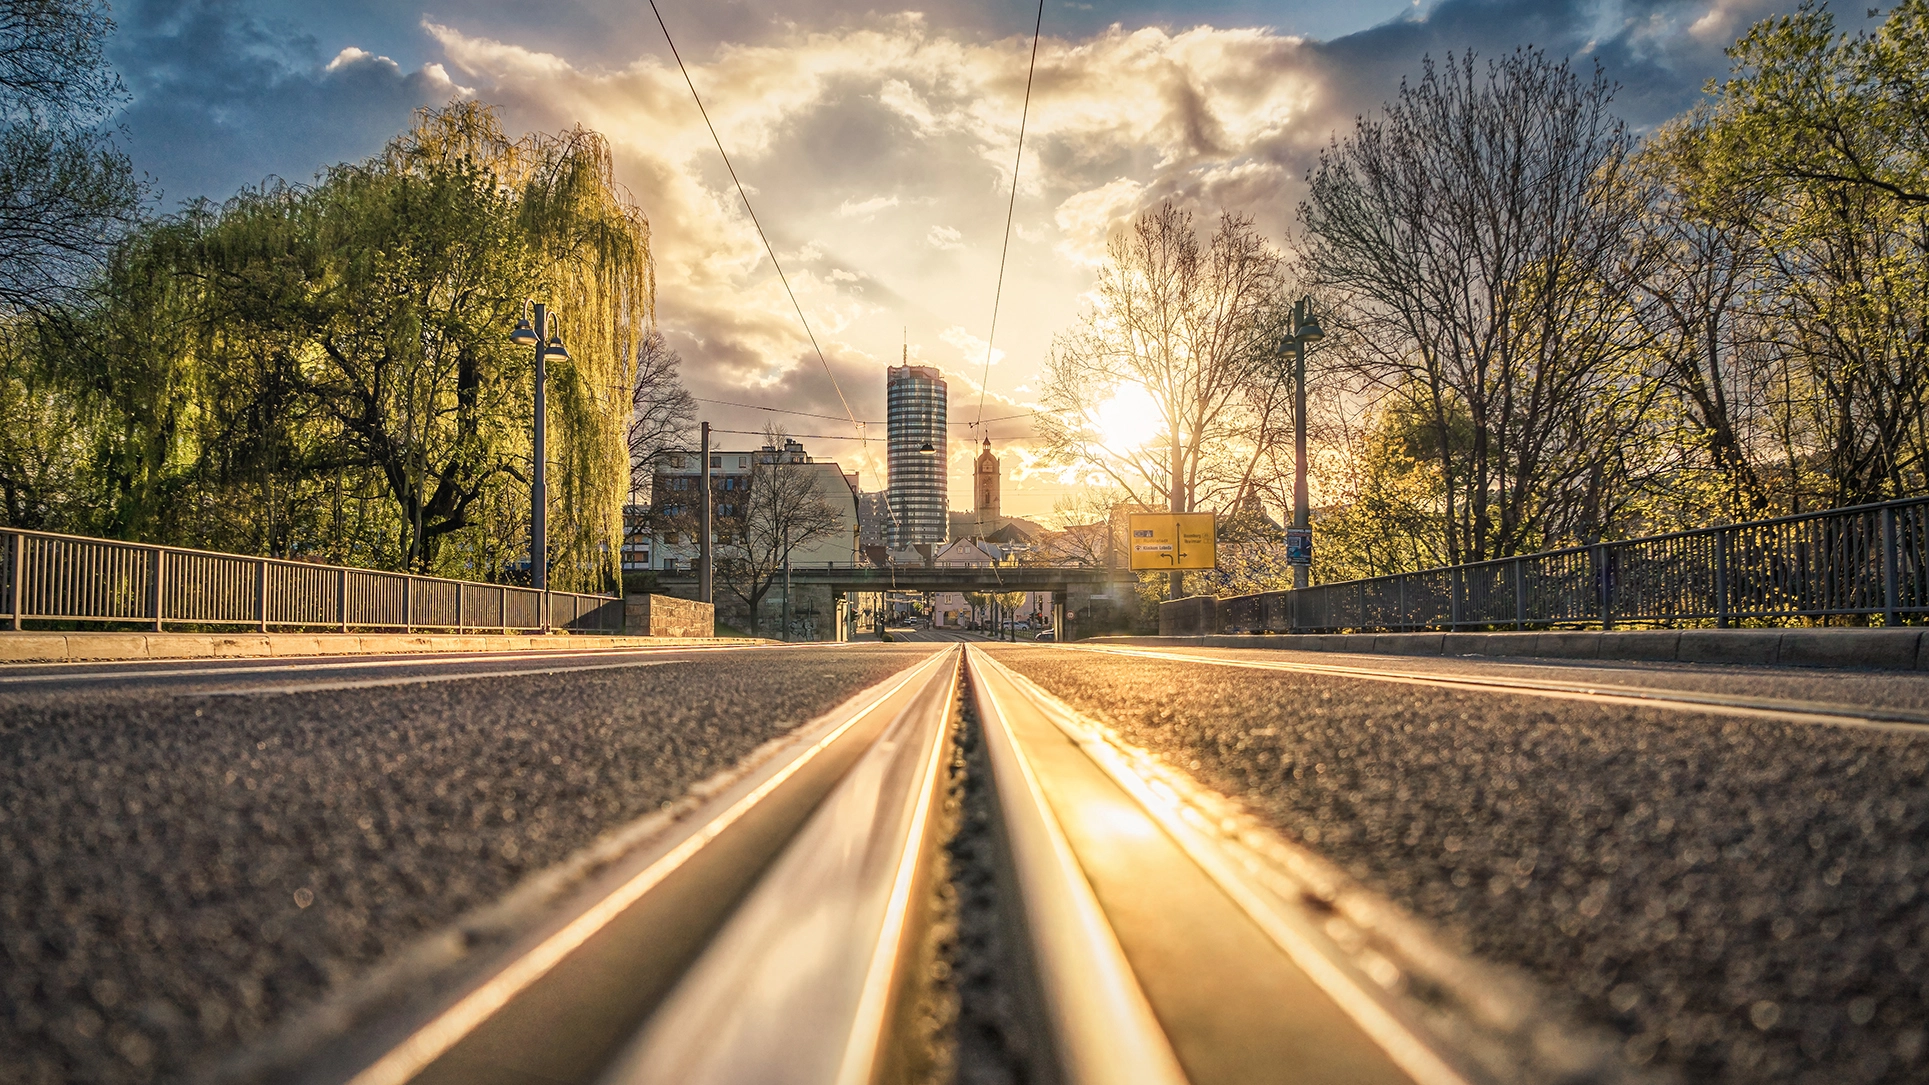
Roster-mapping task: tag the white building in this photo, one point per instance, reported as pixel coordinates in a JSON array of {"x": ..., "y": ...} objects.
[{"x": 678, "y": 480}]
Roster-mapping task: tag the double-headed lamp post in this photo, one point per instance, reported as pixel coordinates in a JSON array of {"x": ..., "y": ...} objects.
[
  {"x": 528, "y": 334},
  {"x": 1306, "y": 330}
]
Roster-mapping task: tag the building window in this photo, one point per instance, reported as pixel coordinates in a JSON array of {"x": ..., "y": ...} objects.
[
  {"x": 676, "y": 461},
  {"x": 716, "y": 461}
]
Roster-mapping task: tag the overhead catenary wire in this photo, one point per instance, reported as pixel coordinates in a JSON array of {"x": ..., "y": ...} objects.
[
  {"x": 1011, "y": 206},
  {"x": 804, "y": 436},
  {"x": 837, "y": 418},
  {"x": 752, "y": 212}
]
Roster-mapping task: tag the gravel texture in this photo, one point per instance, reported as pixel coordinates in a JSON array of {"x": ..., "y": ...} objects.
[
  {"x": 1741, "y": 899},
  {"x": 994, "y": 1041},
  {"x": 179, "y": 871}
]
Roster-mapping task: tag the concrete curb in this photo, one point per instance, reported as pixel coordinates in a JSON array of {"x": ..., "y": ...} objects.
[
  {"x": 98, "y": 647},
  {"x": 1863, "y": 649}
]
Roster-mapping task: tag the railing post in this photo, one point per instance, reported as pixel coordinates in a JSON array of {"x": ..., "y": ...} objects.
[
  {"x": 1602, "y": 585},
  {"x": 1453, "y": 597},
  {"x": 1520, "y": 594},
  {"x": 18, "y": 588},
  {"x": 341, "y": 599},
  {"x": 1404, "y": 624},
  {"x": 261, "y": 594},
  {"x": 1721, "y": 578},
  {"x": 458, "y": 607},
  {"x": 156, "y": 591},
  {"x": 1891, "y": 589},
  {"x": 408, "y": 604}
]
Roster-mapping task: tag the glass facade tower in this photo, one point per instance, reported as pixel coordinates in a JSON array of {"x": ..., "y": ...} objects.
[{"x": 915, "y": 395}]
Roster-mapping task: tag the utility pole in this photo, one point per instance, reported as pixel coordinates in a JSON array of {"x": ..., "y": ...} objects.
[
  {"x": 785, "y": 635},
  {"x": 1306, "y": 330},
  {"x": 705, "y": 552}
]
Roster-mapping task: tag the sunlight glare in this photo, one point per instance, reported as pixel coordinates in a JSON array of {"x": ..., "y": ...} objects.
[{"x": 1129, "y": 420}]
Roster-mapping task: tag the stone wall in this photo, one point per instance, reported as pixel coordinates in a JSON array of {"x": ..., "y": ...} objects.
[{"x": 668, "y": 616}]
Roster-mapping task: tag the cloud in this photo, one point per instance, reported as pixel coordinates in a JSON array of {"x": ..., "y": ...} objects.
[
  {"x": 865, "y": 209},
  {"x": 223, "y": 97},
  {"x": 944, "y": 237},
  {"x": 970, "y": 348}
]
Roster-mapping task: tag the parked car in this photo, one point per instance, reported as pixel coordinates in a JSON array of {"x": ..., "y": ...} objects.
[{"x": 1048, "y": 634}]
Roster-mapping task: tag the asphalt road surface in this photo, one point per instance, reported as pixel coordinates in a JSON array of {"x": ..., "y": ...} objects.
[
  {"x": 191, "y": 852},
  {"x": 1740, "y": 898}
]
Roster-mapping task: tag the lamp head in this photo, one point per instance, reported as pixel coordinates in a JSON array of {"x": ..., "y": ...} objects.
[
  {"x": 927, "y": 450},
  {"x": 556, "y": 349},
  {"x": 1306, "y": 327},
  {"x": 524, "y": 335}
]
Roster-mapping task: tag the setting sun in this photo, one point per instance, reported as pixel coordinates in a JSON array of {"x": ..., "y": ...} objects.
[{"x": 1129, "y": 420}]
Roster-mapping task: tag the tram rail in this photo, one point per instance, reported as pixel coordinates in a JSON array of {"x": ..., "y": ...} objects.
[{"x": 774, "y": 932}]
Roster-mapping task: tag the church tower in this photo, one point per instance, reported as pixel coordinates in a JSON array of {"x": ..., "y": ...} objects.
[{"x": 985, "y": 486}]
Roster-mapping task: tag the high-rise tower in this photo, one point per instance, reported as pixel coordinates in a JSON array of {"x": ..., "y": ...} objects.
[
  {"x": 984, "y": 485},
  {"x": 915, "y": 395}
]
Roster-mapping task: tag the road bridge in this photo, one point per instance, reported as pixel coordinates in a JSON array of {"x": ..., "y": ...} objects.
[{"x": 1059, "y": 580}]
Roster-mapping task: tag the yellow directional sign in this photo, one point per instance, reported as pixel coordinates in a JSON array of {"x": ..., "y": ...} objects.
[{"x": 1173, "y": 540}]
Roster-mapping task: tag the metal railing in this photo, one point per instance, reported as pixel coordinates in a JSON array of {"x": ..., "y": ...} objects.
[
  {"x": 70, "y": 578},
  {"x": 1867, "y": 561}
]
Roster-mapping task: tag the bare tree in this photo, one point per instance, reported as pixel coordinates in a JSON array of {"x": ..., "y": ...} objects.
[
  {"x": 1190, "y": 325},
  {"x": 67, "y": 192},
  {"x": 1479, "y": 236},
  {"x": 663, "y": 411},
  {"x": 784, "y": 511},
  {"x": 1704, "y": 279}
]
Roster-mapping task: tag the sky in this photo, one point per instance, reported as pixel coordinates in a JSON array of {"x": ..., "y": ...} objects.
[{"x": 876, "y": 143}]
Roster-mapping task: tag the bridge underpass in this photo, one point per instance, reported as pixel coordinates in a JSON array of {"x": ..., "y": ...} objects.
[{"x": 1063, "y": 582}]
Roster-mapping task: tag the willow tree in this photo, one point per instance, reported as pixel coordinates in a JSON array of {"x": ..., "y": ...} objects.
[
  {"x": 594, "y": 246},
  {"x": 327, "y": 369}
]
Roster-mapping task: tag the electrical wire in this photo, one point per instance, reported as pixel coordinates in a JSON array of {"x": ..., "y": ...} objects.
[
  {"x": 785, "y": 279},
  {"x": 1011, "y": 207},
  {"x": 835, "y": 418},
  {"x": 810, "y": 436}
]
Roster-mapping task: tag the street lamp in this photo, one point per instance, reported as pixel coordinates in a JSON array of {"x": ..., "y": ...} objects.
[
  {"x": 1299, "y": 539},
  {"x": 531, "y": 335}
]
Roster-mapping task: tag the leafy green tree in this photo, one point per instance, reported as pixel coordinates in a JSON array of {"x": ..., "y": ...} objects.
[{"x": 326, "y": 370}]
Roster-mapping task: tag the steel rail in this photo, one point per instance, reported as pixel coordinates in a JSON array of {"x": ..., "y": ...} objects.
[
  {"x": 1787, "y": 710},
  {"x": 1366, "y": 959},
  {"x": 566, "y": 996},
  {"x": 804, "y": 982},
  {"x": 1103, "y": 1028}
]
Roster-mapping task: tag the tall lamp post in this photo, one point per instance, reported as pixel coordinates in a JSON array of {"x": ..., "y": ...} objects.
[
  {"x": 1299, "y": 539},
  {"x": 527, "y": 334}
]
